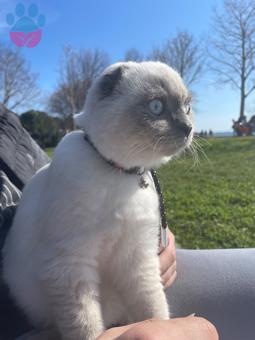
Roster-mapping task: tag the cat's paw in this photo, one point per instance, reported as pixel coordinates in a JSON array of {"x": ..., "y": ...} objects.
[{"x": 25, "y": 28}]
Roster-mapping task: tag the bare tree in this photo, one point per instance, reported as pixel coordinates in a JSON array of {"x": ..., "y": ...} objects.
[
  {"x": 232, "y": 49},
  {"x": 184, "y": 53},
  {"x": 18, "y": 86},
  {"x": 77, "y": 71},
  {"x": 132, "y": 54}
]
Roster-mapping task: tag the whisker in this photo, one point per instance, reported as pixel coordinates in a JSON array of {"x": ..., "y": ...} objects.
[
  {"x": 136, "y": 149},
  {"x": 198, "y": 146},
  {"x": 156, "y": 144}
]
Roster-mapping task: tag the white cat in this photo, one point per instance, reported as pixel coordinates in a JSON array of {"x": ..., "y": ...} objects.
[{"x": 82, "y": 253}]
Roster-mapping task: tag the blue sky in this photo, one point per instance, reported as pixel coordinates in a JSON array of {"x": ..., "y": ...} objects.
[{"x": 115, "y": 26}]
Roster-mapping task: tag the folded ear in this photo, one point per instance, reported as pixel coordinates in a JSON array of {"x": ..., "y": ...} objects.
[{"x": 110, "y": 80}]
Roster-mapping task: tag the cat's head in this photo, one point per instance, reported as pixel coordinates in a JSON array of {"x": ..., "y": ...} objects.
[{"x": 138, "y": 114}]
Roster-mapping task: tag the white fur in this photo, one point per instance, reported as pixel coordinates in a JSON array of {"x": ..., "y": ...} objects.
[
  {"x": 82, "y": 252},
  {"x": 82, "y": 228}
]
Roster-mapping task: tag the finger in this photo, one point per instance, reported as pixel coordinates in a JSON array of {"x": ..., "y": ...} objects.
[
  {"x": 115, "y": 332},
  {"x": 170, "y": 281},
  {"x": 161, "y": 248},
  {"x": 200, "y": 328},
  {"x": 167, "y": 275},
  {"x": 166, "y": 260},
  {"x": 171, "y": 241},
  {"x": 167, "y": 257},
  {"x": 190, "y": 328}
]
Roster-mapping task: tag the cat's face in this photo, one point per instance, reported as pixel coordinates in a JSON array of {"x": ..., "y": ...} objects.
[{"x": 137, "y": 114}]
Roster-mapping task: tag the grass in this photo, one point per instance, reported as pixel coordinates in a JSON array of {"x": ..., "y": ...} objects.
[
  {"x": 211, "y": 204},
  {"x": 49, "y": 151}
]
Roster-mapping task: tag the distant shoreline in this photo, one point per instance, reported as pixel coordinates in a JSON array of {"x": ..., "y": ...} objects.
[{"x": 223, "y": 134}]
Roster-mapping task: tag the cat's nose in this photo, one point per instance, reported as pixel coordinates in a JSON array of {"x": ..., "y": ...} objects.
[{"x": 184, "y": 127}]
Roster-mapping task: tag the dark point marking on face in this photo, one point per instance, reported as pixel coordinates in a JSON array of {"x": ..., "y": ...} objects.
[
  {"x": 110, "y": 81},
  {"x": 173, "y": 99}
]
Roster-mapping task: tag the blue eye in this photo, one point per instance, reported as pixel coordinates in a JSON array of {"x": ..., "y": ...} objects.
[{"x": 156, "y": 106}]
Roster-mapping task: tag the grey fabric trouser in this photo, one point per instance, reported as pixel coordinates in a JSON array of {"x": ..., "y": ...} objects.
[{"x": 218, "y": 285}]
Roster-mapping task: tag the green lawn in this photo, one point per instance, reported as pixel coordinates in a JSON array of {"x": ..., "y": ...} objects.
[
  {"x": 211, "y": 204},
  {"x": 50, "y": 151}
]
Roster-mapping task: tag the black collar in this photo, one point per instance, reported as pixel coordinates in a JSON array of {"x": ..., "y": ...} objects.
[
  {"x": 135, "y": 170},
  {"x": 142, "y": 183}
]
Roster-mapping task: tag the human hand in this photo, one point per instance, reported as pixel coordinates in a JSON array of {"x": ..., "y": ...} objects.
[
  {"x": 190, "y": 328},
  {"x": 167, "y": 259}
]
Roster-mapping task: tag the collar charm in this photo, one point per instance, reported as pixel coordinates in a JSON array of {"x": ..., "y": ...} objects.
[{"x": 140, "y": 171}]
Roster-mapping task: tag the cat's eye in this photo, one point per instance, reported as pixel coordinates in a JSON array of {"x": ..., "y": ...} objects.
[{"x": 156, "y": 106}]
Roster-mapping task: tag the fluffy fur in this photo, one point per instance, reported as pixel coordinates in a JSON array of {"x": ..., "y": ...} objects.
[{"x": 82, "y": 252}]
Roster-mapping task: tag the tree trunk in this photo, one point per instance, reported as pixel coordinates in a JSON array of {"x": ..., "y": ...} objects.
[
  {"x": 243, "y": 79},
  {"x": 242, "y": 104}
]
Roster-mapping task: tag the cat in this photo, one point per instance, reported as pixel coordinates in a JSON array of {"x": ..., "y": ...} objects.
[{"x": 82, "y": 253}]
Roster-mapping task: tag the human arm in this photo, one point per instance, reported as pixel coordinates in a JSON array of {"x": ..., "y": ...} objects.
[
  {"x": 167, "y": 259},
  {"x": 190, "y": 328}
]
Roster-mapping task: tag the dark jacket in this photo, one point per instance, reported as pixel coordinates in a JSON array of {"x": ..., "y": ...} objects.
[{"x": 20, "y": 158}]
